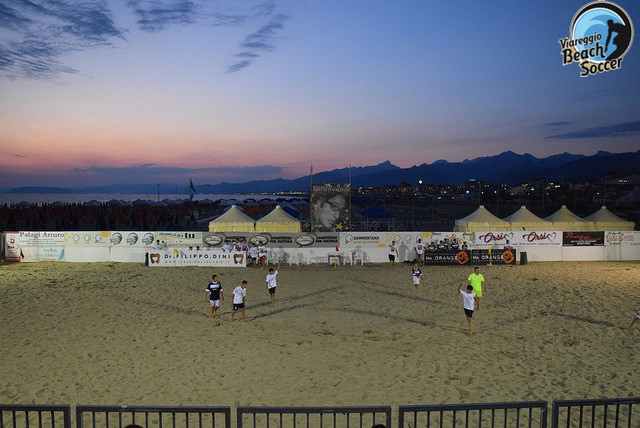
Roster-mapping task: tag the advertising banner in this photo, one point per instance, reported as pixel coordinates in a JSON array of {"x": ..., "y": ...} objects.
[
  {"x": 86, "y": 239},
  {"x": 493, "y": 257},
  {"x": 537, "y": 238},
  {"x": 173, "y": 239},
  {"x": 440, "y": 258},
  {"x": 330, "y": 207},
  {"x": 493, "y": 239},
  {"x": 626, "y": 238},
  {"x": 12, "y": 246},
  {"x": 175, "y": 257},
  {"x": 470, "y": 257},
  {"x": 582, "y": 239},
  {"x": 288, "y": 240},
  {"x": 41, "y": 246}
]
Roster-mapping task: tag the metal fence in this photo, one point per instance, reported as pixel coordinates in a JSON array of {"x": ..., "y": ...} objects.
[
  {"x": 152, "y": 416},
  {"x": 313, "y": 417},
  {"x": 608, "y": 412},
  {"x": 25, "y": 415},
  {"x": 592, "y": 413},
  {"x": 512, "y": 415}
]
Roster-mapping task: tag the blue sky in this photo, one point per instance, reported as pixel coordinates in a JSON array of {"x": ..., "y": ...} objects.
[{"x": 148, "y": 91}]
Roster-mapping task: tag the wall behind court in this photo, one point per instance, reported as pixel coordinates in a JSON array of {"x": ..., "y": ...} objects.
[{"x": 133, "y": 246}]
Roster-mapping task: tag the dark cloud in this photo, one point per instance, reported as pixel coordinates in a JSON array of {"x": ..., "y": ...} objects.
[
  {"x": 156, "y": 15},
  {"x": 556, "y": 124},
  {"x": 239, "y": 17},
  {"x": 40, "y": 33},
  {"x": 37, "y": 35},
  {"x": 257, "y": 43},
  {"x": 615, "y": 130}
]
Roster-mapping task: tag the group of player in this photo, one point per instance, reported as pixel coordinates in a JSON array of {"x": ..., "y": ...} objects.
[
  {"x": 256, "y": 253},
  {"x": 215, "y": 294},
  {"x": 470, "y": 296}
]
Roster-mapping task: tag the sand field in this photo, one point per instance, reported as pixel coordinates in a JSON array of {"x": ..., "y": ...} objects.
[{"x": 123, "y": 333}]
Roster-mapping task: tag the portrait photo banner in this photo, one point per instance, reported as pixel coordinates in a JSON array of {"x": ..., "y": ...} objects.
[{"x": 330, "y": 207}]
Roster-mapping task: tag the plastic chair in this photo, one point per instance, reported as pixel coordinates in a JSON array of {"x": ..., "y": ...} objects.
[{"x": 358, "y": 257}]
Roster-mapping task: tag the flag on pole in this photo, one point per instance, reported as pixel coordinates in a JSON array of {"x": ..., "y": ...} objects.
[{"x": 192, "y": 190}]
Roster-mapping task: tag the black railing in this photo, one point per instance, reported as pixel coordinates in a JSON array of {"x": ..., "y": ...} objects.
[
  {"x": 512, "y": 415},
  {"x": 27, "y": 415},
  {"x": 592, "y": 413},
  {"x": 152, "y": 416},
  {"x": 606, "y": 412},
  {"x": 317, "y": 417}
]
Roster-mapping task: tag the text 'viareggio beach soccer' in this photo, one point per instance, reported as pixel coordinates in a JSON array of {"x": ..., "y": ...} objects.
[{"x": 600, "y": 35}]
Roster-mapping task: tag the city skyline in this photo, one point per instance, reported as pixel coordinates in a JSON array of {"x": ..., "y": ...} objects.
[{"x": 158, "y": 91}]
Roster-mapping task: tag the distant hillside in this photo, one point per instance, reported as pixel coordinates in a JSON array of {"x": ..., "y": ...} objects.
[
  {"x": 507, "y": 167},
  {"x": 38, "y": 189}
]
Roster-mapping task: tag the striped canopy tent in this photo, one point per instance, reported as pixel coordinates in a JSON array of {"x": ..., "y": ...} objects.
[
  {"x": 278, "y": 220},
  {"x": 481, "y": 220},
  {"x": 565, "y": 220},
  {"x": 234, "y": 220},
  {"x": 604, "y": 219},
  {"x": 523, "y": 219}
]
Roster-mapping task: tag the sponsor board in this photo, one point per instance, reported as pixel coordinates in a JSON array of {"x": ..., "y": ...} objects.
[
  {"x": 462, "y": 257},
  {"x": 41, "y": 246},
  {"x": 582, "y": 239},
  {"x": 12, "y": 246},
  {"x": 173, "y": 257},
  {"x": 171, "y": 239},
  {"x": 470, "y": 257},
  {"x": 89, "y": 239},
  {"x": 621, "y": 238},
  {"x": 542, "y": 238}
]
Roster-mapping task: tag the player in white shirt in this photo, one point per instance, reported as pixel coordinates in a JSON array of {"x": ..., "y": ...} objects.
[
  {"x": 393, "y": 253},
  {"x": 253, "y": 254},
  {"x": 239, "y": 293},
  {"x": 270, "y": 283},
  {"x": 469, "y": 300},
  {"x": 419, "y": 248},
  {"x": 262, "y": 254},
  {"x": 416, "y": 275}
]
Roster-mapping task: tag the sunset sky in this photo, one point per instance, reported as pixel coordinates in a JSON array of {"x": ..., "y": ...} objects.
[{"x": 146, "y": 91}]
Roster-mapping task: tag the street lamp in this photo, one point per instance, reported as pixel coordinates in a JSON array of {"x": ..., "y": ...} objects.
[{"x": 413, "y": 204}]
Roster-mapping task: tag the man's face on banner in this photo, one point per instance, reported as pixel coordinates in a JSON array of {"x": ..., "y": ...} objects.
[{"x": 330, "y": 210}]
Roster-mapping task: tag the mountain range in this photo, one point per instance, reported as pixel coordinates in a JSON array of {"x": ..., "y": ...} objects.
[{"x": 507, "y": 167}]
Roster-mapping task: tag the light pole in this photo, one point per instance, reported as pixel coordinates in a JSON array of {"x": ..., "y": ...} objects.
[{"x": 413, "y": 204}]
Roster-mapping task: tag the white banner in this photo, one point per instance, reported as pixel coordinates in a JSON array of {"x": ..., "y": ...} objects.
[
  {"x": 173, "y": 257},
  {"x": 624, "y": 239},
  {"x": 12, "y": 246},
  {"x": 86, "y": 239},
  {"x": 41, "y": 246},
  {"x": 539, "y": 238}
]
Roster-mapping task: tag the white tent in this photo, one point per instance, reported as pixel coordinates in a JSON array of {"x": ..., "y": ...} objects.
[
  {"x": 278, "y": 220},
  {"x": 481, "y": 220},
  {"x": 604, "y": 219},
  {"x": 523, "y": 219},
  {"x": 563, "y": 219},
  {"x": 234, "y": 220}
]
